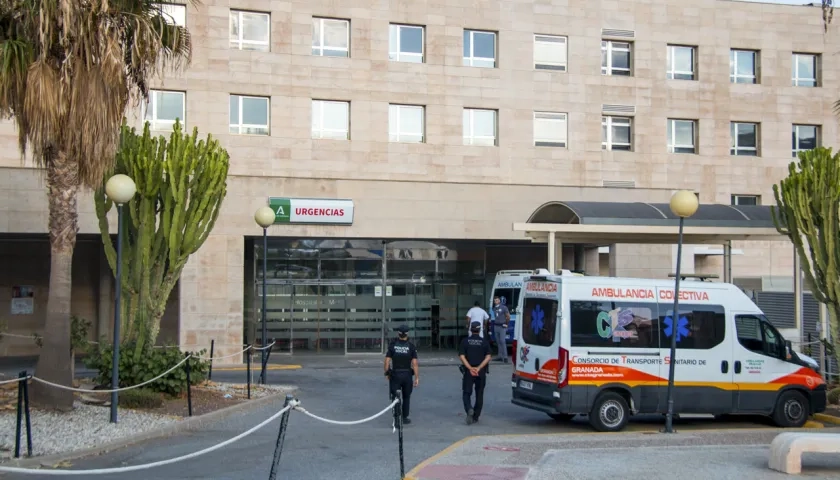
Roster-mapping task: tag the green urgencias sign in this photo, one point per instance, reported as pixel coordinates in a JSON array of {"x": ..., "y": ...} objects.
[{"x": 312, "y": 210}]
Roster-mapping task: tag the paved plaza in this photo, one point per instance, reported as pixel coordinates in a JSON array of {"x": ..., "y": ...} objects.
[{"x": 315, "y": 450}]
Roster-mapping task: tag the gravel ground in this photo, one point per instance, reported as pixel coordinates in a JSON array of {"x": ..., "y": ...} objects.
[
  {"x": 241, "y": 389},
  {"x": 86, "y": 426}
]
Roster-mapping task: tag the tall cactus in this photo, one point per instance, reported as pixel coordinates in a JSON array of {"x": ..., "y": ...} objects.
[
  {"x": 808, "y": 203},
  {"x": 181, "y": 184}
]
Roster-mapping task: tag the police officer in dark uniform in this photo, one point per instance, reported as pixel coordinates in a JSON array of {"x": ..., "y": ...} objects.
[
  {"x": 400, "y": 366},
  {"x": 475, "y": 354}
]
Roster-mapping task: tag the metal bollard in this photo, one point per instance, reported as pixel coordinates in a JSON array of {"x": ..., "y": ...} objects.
[
  {"x": 281, "y": 436},
  {"x": 399, "y": 423},
  {"x": 19, "y": 416},
  {"x": 189, "y": 384},
  {"x": 212, "y": 348},
  {"x": 26, "y": 415},
  {"x": 248, "y": 369}
]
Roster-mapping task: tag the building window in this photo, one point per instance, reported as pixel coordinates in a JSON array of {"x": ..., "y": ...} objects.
[
  {"x": 682, "y": 136},
  {"x": 804, "y": 70},
  {"x": 616, "y": 133},
  {"x": 681, "y": 62},
  {"x": 479, "y": 127},
  {"x": 550, "y": 129},
  {"x": 550, "y": 52},
  {"x": 164, "y": 107},
  {"x": 405, "y": 43},
  {"x": 406, "y": 123},
  {"x": 173, "y": 14},
  {"x": 479, "y": 49},
  {"x": 743, "y": 66},
  {"x": 805, "y": 137},
  {"x": 330, "y": 37},
  {"x": 744, "y": 139},
  {"x": 249, "y": 30},
  {"x": 746, "y": 200},
  {"x": 249, "y": 115},
  {"x": 616, "y": 58},
  {"x": 330, "y": 120}
]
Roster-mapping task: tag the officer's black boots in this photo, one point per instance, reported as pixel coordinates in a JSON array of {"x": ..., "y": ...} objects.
[
  {"x": 470, "y": 417},
  {"x": 406, "y": 421}
]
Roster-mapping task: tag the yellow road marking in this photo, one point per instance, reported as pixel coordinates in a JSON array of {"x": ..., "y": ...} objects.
[
  {"x": 257, "y": 368},
  {"x": 827, "y": 418}
]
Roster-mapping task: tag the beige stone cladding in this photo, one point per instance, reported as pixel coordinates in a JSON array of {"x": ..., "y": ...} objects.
[{"x": 444, "y": 189}]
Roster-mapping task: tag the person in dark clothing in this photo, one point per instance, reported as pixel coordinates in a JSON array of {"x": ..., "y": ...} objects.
[
  {"x": 475, "y": 354},
  {"x": 400, "y": 366}
]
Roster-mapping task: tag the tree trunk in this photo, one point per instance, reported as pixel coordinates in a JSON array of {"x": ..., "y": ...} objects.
[
  {"x": 834, "y": 326},
  {"x": 54, "y": 360}
]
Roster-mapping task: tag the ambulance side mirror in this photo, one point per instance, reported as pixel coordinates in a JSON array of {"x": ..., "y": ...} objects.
[{"x": 788, "y": 349}]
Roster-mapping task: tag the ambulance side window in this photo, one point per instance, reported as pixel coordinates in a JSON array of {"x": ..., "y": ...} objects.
[
  {"x": 614, "y": 324},
  {"x": 757, "y": 335}
]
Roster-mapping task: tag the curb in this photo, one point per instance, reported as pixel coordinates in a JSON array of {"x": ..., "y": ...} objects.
[
  {"x": 189, "y": 424},
  {"x": 825, "y": 418}
]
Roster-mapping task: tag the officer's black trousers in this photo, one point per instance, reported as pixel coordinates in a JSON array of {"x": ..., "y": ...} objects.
[
  {"x": 468, "y": 383},
  {"x": 402, "y": 381}
]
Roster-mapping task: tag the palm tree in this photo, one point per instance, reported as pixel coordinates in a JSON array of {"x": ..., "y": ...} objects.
[{"x": 68, "y": 70}]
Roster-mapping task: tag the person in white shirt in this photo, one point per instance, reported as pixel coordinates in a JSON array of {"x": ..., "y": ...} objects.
[{"x": 477, "y": 314}]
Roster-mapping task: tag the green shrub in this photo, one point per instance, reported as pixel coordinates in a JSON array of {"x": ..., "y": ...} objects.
[
  {"x": 142, "y": 368},
  {"x": 140, "y": 398},
  {"x": 834, "y": 396}
]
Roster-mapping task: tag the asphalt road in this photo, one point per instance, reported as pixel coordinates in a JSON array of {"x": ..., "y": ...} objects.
[{"x": 316, "y": 450}]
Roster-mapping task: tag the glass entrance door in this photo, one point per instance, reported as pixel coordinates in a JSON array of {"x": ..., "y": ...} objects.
[
  {"x": 452, "y": 322},
  {"x": 278, "y": 317},
  {"x": 318, "y": 318},
  {"x": 363, "y": 324}
]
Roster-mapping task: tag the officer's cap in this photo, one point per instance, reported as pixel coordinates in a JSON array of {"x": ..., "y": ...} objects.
[
  {"x": 475, "y": 326},
  {"x": 402, "y": 329}
]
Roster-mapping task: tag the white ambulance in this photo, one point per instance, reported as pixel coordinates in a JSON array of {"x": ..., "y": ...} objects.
[{"x": 600, "y": 346}]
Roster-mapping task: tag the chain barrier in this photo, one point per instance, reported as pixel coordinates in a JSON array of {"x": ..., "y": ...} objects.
[
  {"x": 85, "y": 390},
  {"x": 15, "y": 380},
  {"x": 291, "y": 404}
]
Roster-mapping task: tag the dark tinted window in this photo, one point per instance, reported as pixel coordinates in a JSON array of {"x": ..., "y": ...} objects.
[
  {"x": 699, "y": 327},
  {"x": 508, "y": 296},
  {"x": 614, "y": 324},
  {"x": 539, "y": 321}
]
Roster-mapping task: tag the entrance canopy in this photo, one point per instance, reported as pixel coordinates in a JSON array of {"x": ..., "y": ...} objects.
[{"x": 603, "y": 223}]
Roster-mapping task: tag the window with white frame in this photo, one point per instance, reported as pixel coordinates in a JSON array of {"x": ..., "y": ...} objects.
[
  {"x": 805, "y": 137},
  {"x": 250, "y": 30},
  {"x": 406, "y": 123},
  {"x": 681, "y": 62},
  {"x": 479, "y": 49},
  {"x": 616, "y": 58},
  {"x": 550, "y": 52},
  {"x": 249, "y": 115},
  {"x": 743, "y": 66},
  {"x": 480, "y": 127},
  {"x": 746, "y": 199},
  {"x": 804, "y": 70},
  {"x": 330, "y": 37},
  {"x": 164, "y": 107},
  {"x": 744, "y": 139},
  {"x": 616, "y": 133},
  {"x": 550, "y": 129},
  {"x": 682, "y": 136},
  {"x": 405, "y": 43},
  {"x": 331, "y": 119},
  {"x": 173, "y": 13}
]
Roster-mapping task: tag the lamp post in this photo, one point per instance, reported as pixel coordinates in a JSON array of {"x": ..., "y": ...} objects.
[
  {"x": 119, "y": 189},
  {"x": 684, "y": 204},
  {"x": 265, "y": 218}
]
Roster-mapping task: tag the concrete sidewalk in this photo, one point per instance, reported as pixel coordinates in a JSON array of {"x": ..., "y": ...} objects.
[{"x": 720, "y": 454}]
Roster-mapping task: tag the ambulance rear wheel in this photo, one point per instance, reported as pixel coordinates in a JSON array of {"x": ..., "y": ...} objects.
[
  {"x": 610, "y": 413},
  {"x": 791, "y": 410}
]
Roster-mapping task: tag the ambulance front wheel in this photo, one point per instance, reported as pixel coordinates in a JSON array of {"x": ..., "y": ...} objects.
[
  {"x": 610, "y": 413},
  {"x": 791, "y": 410}
]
